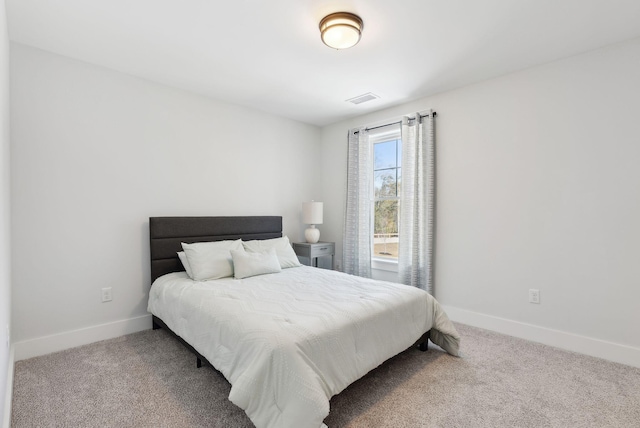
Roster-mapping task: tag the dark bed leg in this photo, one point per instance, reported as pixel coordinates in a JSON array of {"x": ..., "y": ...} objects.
[
  {"x": 424, "y": 345},
  {"x": 200, "y": 360}
]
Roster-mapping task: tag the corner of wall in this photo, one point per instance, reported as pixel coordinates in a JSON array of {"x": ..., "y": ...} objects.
[
  {"x": 6, "y": 354},
  {"x": 8, "y": 398}
]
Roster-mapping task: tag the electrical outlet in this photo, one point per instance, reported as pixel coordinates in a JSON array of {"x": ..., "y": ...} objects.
[
  {"x": 534, "y": 295},
  {"x": 106, "y": 294}
]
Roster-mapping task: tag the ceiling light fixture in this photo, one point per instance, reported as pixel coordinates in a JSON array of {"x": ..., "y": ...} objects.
[{"x": 341, "y": 30}]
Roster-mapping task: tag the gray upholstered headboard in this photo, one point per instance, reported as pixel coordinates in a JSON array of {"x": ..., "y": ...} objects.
[{"x": 166, "y": 234}]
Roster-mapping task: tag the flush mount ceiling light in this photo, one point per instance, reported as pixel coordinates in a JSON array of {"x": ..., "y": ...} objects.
[{"x": 341, "y": 30}]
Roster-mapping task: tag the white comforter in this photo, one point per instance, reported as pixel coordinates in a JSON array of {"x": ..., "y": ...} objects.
[{"x": 287, "y": 342}]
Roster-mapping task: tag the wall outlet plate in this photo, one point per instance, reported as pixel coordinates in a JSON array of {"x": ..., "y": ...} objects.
[
  {"x": 534, "y": 295},
  {"x": 106, "y": 294}
]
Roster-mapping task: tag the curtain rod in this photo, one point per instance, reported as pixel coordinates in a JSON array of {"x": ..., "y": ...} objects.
[{"x": 396, "y": 123}]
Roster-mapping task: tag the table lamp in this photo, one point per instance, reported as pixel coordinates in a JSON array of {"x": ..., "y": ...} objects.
[{"x": 312, "y": 215}]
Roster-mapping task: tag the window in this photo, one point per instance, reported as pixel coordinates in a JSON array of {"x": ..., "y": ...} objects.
[
  {"x": 390, "y": 200},
  {"x": 387, "y": 178}
]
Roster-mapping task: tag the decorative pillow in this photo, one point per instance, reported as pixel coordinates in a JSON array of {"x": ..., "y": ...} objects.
[
  {"x": 247, "y": 264},
  {"x": 286, "y": 256},
  {"x": 211, "y": 260},
  {"x": 183, "y": 258}
]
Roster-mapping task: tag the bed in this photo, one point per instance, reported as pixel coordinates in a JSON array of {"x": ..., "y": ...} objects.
[{"x": 286, "y": 341}]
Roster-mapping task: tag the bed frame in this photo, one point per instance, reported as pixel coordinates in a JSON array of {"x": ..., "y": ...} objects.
[{"x": 167, "y": 233}]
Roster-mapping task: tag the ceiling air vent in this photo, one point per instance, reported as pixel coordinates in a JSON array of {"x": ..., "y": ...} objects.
[{"x": 363, "y": 98}]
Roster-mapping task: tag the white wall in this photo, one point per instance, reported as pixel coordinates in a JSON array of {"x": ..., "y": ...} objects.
[
  {"x": 5, "y": 235},
  {"x": 538, "y": 186},
  {"x": 96, "y": 152}
]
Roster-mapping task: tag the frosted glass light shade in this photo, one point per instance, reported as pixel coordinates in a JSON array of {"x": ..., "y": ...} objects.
[
  {"x": 341, "y": 30},
  {"x": 312, "y": 212}
]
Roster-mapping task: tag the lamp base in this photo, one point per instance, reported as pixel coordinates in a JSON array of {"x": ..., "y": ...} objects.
[{"x": 311, "y": 234}]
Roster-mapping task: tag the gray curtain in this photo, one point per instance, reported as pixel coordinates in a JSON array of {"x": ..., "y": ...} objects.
[
  {"x": 417, "y": 203},
  {"x": 357, "y": 224}
]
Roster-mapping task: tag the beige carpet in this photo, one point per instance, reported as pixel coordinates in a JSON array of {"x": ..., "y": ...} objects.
[{"x": 147, "y": 379}]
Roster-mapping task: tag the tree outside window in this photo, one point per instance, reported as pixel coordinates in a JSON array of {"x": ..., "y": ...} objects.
[{"x": 387, "y": 180}]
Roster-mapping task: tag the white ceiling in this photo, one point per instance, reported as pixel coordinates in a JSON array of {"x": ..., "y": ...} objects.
[{"x": 267, "y": 54}]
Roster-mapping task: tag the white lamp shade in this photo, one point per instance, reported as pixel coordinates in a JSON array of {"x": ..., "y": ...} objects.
[{"x": 312, "y": 212}]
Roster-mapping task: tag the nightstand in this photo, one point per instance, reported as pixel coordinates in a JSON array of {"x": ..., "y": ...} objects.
[{"x": 311, "y": 252}]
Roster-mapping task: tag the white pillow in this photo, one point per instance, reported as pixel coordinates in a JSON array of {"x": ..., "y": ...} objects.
[
  {"x": 286, "y": 256},
  {"x": 211, "y": 260},
  {"x": 251, "y": 264},
  {"x": 183, "y": 258}
]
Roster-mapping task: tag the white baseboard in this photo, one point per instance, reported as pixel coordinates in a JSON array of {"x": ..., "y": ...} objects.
[
  {"x": 71, "y": 339},
  {"x": 8, "y": 397},
  {"x": 615, "y": 352}
]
